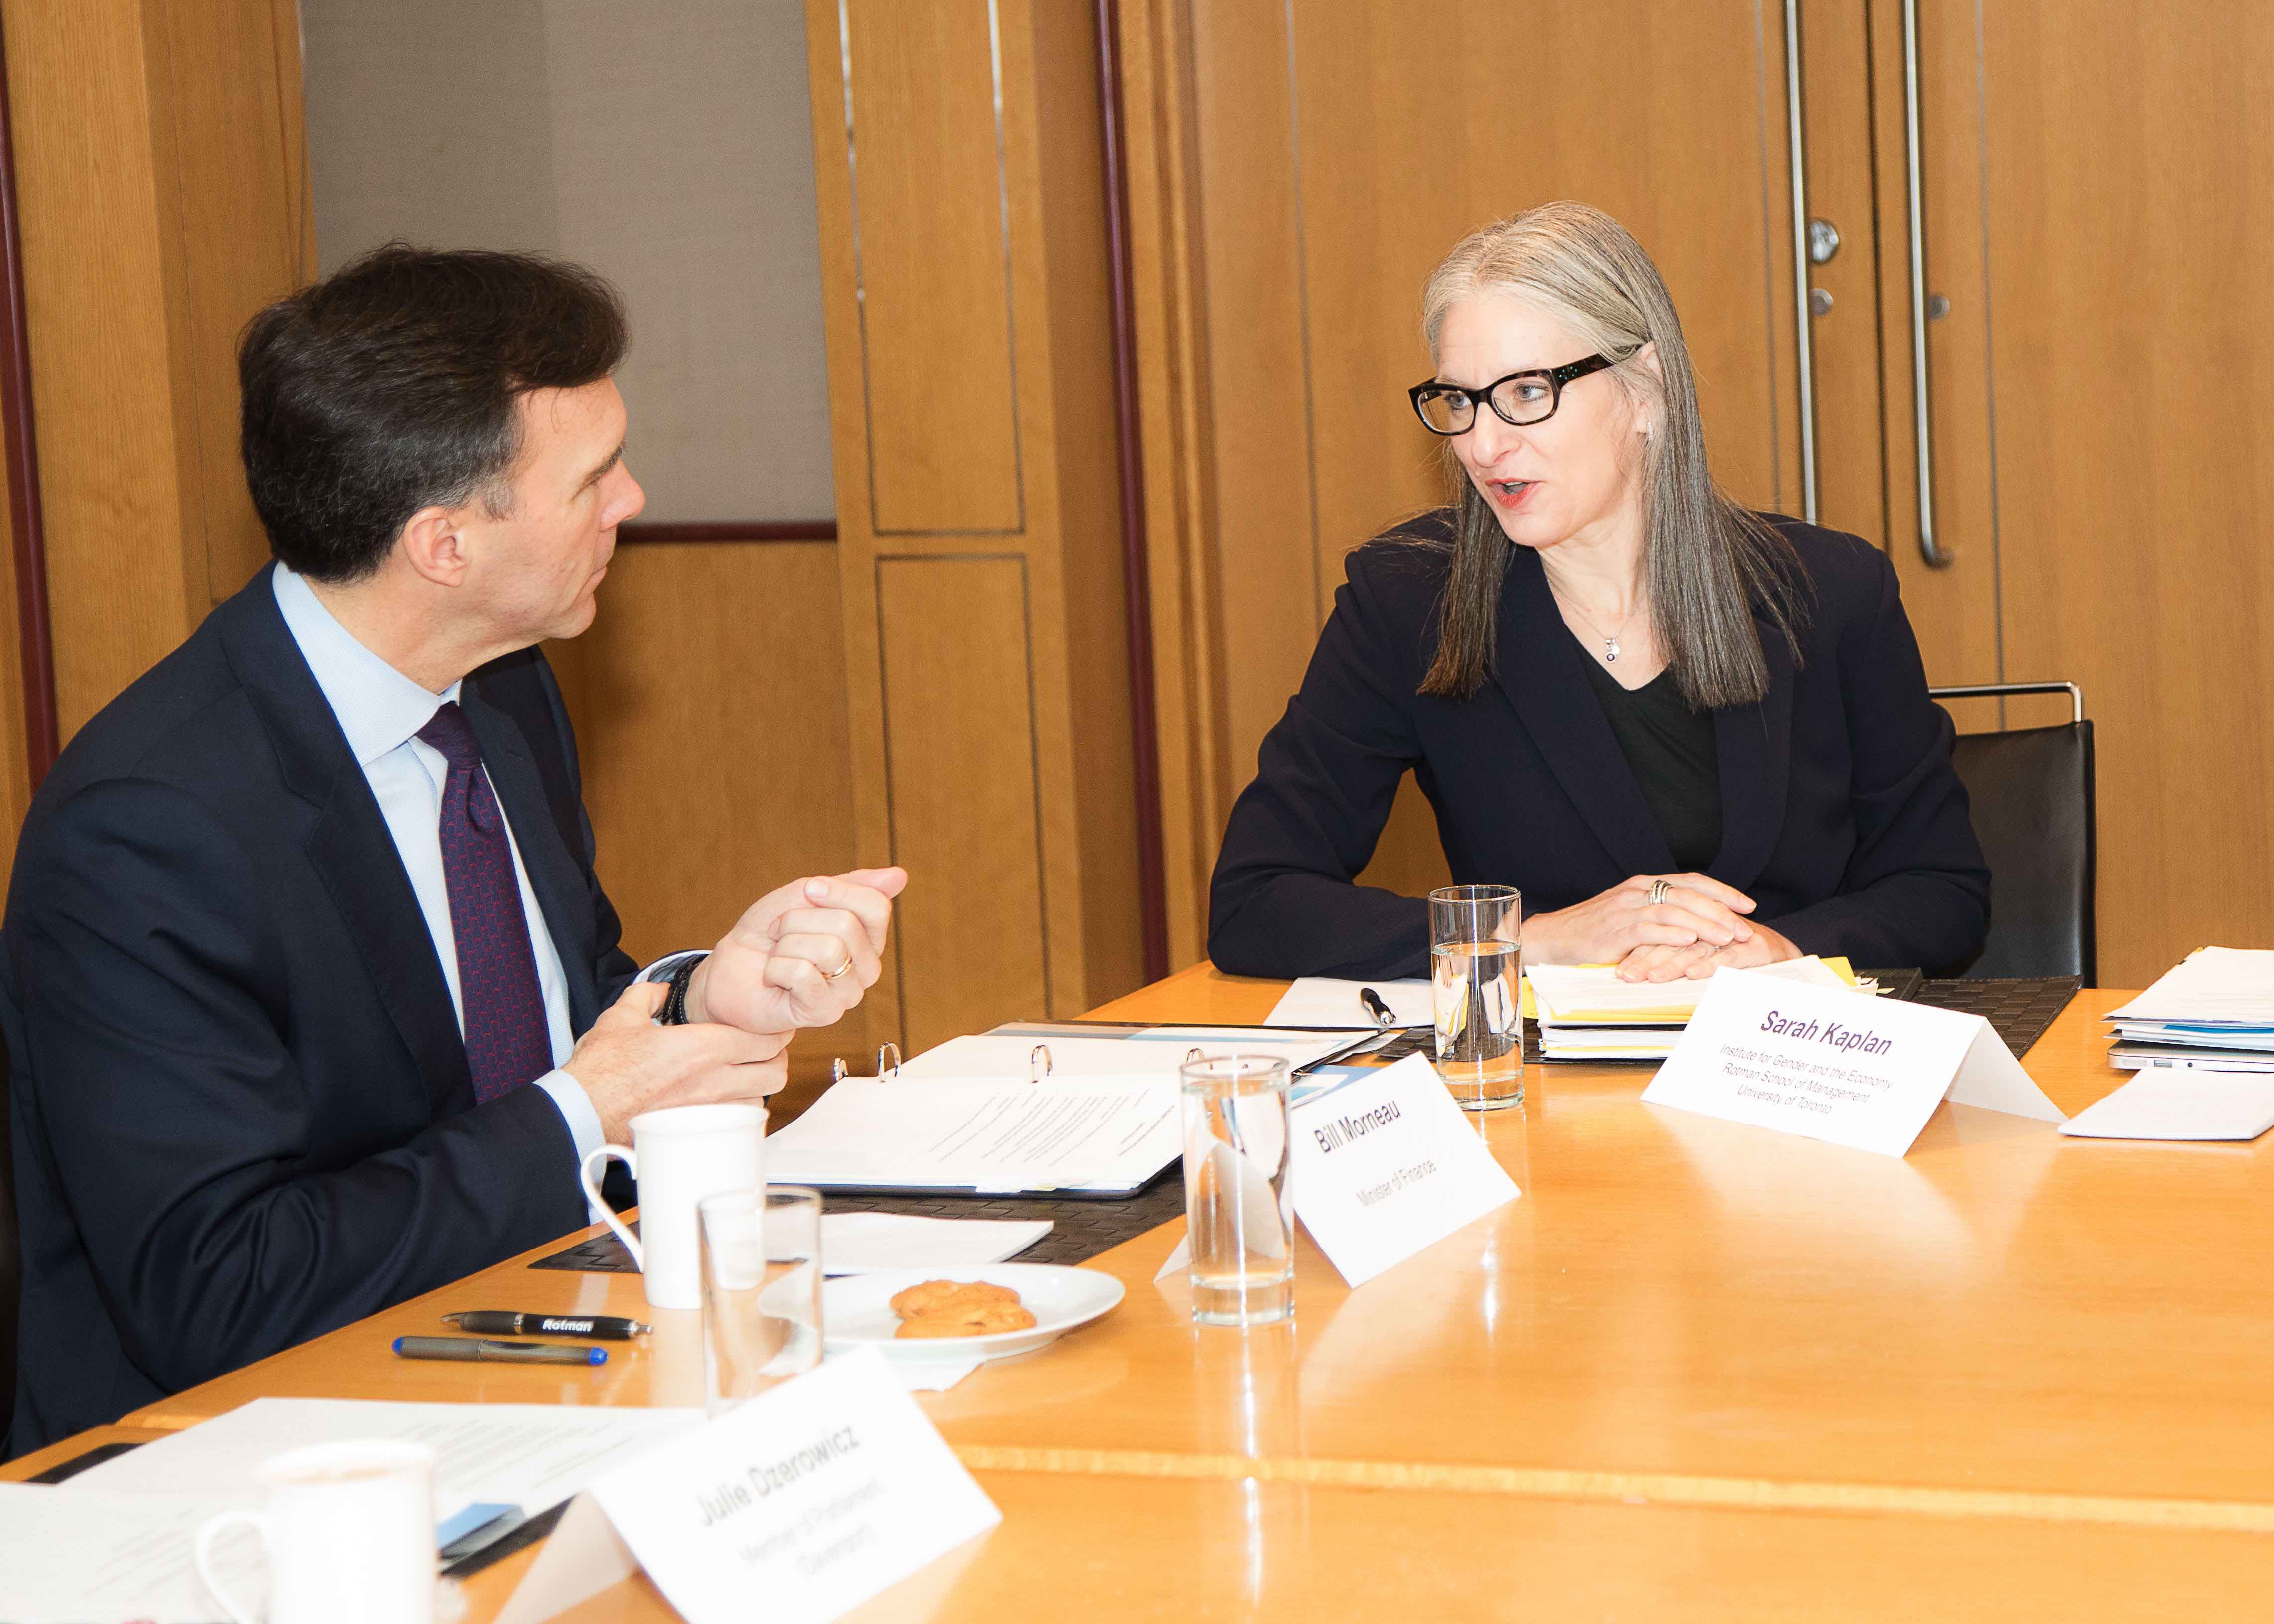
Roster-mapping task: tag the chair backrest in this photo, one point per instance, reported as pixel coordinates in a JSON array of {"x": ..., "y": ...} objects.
[{"x": 2032, "y": 795}]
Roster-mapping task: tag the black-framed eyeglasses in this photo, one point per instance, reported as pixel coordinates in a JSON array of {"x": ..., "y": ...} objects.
[{"x": 1518, "y": 400}]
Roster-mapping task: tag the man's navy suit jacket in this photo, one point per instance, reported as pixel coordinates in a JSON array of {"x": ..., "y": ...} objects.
[
  {"x": 1841, "y": 816},
  {"x": 242, "y": 1111}
]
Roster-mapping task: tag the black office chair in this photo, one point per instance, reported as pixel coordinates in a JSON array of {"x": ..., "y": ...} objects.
[{"x": 2032, "y": 795}]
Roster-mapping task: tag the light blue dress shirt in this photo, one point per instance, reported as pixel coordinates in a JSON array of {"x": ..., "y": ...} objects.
[{"x": 380, "y": 710}]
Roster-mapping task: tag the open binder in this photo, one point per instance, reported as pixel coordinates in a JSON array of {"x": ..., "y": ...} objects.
[{"x": 1083, "y": 1113}]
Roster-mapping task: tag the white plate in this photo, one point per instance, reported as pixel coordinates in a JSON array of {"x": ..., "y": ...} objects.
[{"x": 856, "y": 1311}]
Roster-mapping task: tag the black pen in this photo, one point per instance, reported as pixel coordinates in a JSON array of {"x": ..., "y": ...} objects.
[
  {"x": 1376, "y": 1008},
  {"x": 504, "y": 1353},
  {"x": 498, "y": 1322}
]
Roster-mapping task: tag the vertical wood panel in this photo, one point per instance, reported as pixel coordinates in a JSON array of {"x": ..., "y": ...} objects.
[
  {"x": 160, "y": 207},
  {"x": 2132, "y": 288},
  {"x": 1953, "y": 609},
  {"x": 1168, "y": 296},
  {"x": 957, "y": 680},
  {"x": 226, "y": 160},
  {"x": 930, "y": 223},
  {"x": 1009, "y": 735},
  {"x": 120, "y": 589},
  {"x": 708, "y": 701},
  {"x": 1850, "y": 468}
]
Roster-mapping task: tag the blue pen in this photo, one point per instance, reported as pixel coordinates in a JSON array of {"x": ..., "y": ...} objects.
[{"x": 505, "y": 1353}]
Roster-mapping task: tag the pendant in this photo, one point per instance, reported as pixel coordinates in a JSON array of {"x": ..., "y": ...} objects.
[{"x": 1610, "y": 649}]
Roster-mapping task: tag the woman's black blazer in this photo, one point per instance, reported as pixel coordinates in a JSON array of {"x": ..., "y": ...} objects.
[{"x": 1841, "y": 815}]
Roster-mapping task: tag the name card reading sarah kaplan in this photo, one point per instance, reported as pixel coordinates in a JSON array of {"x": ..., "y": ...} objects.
[{"x": 1837, "y": 1065}]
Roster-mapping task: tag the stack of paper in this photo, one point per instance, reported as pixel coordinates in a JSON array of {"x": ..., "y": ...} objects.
[
  {"x": 1586, "y": 1013},
  {"x": 2215, "y": 1012}
]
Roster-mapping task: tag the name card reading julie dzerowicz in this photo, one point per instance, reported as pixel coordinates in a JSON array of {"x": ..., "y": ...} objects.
[
  {"x": 1387, "y": 1164},
  {"x": 795, "y": 1508},
  {"x": 1837, "y": 1065}
]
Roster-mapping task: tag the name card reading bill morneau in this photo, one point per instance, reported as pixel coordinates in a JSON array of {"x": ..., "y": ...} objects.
[
  {"x": 1387, "y": 1164},
  {"x": 1837, "y": 1065},
  {"x": 795, "y": 1508}
]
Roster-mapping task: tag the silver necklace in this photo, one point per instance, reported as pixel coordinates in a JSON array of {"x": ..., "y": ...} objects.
[{"x": 1611, "y": 643}]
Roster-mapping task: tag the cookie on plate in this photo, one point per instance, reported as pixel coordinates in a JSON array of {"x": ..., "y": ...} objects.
[
  {"x": 936, "y": 1294},
  {"x": 961, "y": 1317}
]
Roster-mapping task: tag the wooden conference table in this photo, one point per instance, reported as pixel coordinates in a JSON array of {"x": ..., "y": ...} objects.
[{"x": 1699, "y": 1370}]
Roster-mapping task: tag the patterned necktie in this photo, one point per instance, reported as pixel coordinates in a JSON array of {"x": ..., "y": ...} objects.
[{"x": 507, "y": 1043}]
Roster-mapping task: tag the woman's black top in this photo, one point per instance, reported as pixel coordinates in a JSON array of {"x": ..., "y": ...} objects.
[
  {"x": 1840, "y": 814},
  {"x": 1670, "y": 746}
]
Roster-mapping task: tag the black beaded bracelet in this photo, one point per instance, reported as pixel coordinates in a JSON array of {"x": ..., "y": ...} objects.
[{"x": 674, "y": 1001}]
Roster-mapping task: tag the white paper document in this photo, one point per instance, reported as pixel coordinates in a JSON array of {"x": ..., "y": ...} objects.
[
  {"x": 2169, "y": 1104},
  {"x": 1386, "y": 1165},
  {"x": 531, "y": 1455},
  {"x": 71, "y": 1555},
  {"x": 2223, "y": 985},
  {"x": 1057, "y": 1055},
  {"x": 856, "y": 1242},
  {"x": 1593, "y": 995},
  {"x": 1836, "y": 1064},
  {"x": 1323, "y": 1001},
  {"x": 988, "y": 1136}
]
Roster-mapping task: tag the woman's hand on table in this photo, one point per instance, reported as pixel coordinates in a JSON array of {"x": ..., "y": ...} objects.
[
  {"x": 1700, "y": 960},
  {"x": 1613, "y": 927}
]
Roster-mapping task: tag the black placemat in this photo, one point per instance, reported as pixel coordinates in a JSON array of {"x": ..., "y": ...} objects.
[
  {"x": 1078, "y": 1229},
  {"x": 2019, "y": 1008}
]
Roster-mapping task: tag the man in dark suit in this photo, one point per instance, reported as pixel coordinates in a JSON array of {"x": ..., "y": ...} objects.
[{"x": 312, "y": 995}]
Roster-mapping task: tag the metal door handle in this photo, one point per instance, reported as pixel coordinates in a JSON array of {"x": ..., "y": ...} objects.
[
  {"x": 1935, "y": 557},
  {"x": 1804, "y": 346}
]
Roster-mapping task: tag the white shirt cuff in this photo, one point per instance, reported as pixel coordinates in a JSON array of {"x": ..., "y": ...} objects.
[
  {"x": 661, "y": 969},
  {"x": 576, "y": 1111}
]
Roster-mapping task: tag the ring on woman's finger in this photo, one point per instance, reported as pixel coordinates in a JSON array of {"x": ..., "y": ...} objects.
[{"x": 1658, "y": 890}]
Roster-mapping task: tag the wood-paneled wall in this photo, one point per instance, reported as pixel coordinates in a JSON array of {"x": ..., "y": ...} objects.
[
  {"x": 162, "y": 184},
  {"x": 2091, "y": 238},
  {"x": 958, "y": 148}
]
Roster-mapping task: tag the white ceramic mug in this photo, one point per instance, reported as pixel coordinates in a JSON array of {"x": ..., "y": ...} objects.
[
  {"x": 679, "y": 1157},
  {"x": 349, "y": 1534}
]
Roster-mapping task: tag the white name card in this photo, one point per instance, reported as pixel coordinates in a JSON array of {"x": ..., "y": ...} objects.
[
  {"x": 1387, "y": 1164},
  {"x": 1837, "y": 1065},
  {"x": 795, "y": 1508}
]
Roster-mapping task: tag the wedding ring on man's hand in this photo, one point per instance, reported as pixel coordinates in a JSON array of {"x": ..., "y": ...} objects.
[
  {"x": 831, "y": 975},
  {"x": 1658, "y": 890}
]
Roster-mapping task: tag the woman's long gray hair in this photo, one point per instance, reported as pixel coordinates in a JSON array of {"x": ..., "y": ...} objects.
[{"x": 1707, "y": 559}]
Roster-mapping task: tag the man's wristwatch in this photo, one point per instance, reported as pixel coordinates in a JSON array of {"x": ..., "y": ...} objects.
[{"x": 674, "y": 1001}]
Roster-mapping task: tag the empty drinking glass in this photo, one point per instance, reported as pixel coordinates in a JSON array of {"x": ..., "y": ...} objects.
[{"x": 761, "y": 1291}]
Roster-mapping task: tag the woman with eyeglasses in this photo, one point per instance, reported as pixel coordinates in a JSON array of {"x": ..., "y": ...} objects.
[{"x": 1693, "y": 735}]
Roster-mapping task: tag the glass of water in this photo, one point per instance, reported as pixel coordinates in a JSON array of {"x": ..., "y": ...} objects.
[
  {"x": 1476, "y": 972},
  {"x": 761, "y": 1291},
  {"x": 1240, "y": 1212}
]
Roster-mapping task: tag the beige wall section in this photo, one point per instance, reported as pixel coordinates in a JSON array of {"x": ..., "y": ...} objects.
[
  {"x": 980, "y": 941},
  {"x": 162, "y": 205},
  {"x": 704, "y": 798},
  {"x": 670, "y": 151}
]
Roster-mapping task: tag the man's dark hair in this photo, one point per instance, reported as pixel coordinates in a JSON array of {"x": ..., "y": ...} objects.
[{"x": 390, "y": 386}]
